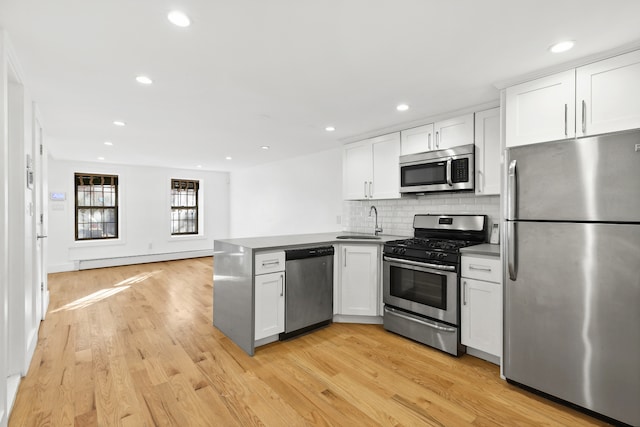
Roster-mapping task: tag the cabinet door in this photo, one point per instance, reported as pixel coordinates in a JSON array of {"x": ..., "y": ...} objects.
[
  {"x": 481, "y": 316},
  {"x": 386, "y": 167},
  {"x": 357, "y": 170},
  {"x": 487, "y": 138},
  {"x": 608, "y": 95},
  {"x": 417, "y": 140},
  {"x": 453, "y": 132},
  {"x": 269, "y": 311},
  {"x": 359, "y": 280},
  {"x": 541, "y": 110}
]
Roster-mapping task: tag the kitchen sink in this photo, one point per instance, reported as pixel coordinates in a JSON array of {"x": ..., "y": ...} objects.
[{"x": 359, "y": 236}]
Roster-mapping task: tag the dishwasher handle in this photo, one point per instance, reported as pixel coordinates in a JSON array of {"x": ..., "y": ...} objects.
[{"x": 294, "y": 254}]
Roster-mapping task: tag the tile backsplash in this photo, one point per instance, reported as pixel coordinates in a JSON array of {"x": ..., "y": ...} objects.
[{"x": 395, "y": 216}]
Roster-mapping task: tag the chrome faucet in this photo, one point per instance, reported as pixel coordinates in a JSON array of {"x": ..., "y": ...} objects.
[{"x": 377, "y": 229}]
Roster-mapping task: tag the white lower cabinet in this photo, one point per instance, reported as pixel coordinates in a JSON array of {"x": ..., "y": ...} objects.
[
  {"x": 481, "y": 304},
  {"x": 269, "y": 304},
  {"x": 359, "y": 286}
]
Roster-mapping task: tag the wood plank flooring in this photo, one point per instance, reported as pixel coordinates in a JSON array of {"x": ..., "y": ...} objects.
[{"x": 135, "y": 346}]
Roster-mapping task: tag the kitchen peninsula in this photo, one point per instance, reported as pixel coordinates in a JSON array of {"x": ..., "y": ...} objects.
[{"x": 241, "y": 264}]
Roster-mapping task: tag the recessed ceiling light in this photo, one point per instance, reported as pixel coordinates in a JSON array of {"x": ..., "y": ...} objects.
[
  {"x": 228, "y": 158},
  {"x": 329, "y": 128},
  {"x": 178, "y": 18},
  {"x": 119, "y": 123},
  {"x": 562, "y": 46},
  {"x": 144, "y": 80},
  {"x": 199, "y": 166},
  {"x": 100, "y": 158},
  {"x": 402, "y": 107},
  {"x": 108, "y": 143},
  {"x": 265, "y": 147}
]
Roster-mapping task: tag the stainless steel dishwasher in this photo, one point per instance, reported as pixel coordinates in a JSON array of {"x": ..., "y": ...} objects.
[{"x": 308, "y": 290}]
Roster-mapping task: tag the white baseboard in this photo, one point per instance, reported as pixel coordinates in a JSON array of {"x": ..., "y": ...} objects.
[
  {"x": 86, "y": 264},
  {"x": 61, "y": 268},
  {"x": 483, "y": 355},
  {"x": 12, "y": 390},
  {"x": 368, "y": 320}
]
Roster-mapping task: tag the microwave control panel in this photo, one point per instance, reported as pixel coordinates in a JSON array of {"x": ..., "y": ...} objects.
[{"x": 460, "y": 170}]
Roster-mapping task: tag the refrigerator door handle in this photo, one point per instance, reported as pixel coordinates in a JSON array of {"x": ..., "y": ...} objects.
[
  {"x": 511, "y": 250},
  {"x": 512, "y": 190}
]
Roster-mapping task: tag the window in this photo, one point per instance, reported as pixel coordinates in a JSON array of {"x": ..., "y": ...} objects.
[
  {"x": 96, "y": 206},
  {"x": 184, "y": 206}
]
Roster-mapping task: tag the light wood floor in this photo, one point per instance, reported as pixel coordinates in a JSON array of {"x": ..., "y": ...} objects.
[{"x": 135, "y": 346}]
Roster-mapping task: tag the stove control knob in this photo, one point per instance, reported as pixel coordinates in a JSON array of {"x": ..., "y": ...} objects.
[
  {"x": 403, "y": 250},
  {"x": 442, "y": 255}
]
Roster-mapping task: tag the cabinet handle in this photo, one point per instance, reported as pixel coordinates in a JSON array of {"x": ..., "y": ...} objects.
[
  {"x": 371, "y": 189},
  {"x": 365, "y": 189},
  {"x": 281, "y": 285},
  {"x": 269, "y": 263},
  {"x": 479, "y": 267},
  {"x": 345, "y": 257},
  {"x": 464, "y": 293},
  {"x": 437, "y": 139},
  {"x": 566, "y": 113},
  {"x": 584, "y": 117},
  {"x": 429, "y": 140},
  {"x": 479, "y": 186}
]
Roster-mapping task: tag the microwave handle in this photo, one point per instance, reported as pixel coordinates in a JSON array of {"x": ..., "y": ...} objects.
[{"x": 448, "y": 172}]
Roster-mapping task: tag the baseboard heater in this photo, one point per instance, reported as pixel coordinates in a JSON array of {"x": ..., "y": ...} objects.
[{"x": 87, "y": 264}]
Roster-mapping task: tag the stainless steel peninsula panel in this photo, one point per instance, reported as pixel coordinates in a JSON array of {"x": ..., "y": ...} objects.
[{"x": 233, "y": 293}]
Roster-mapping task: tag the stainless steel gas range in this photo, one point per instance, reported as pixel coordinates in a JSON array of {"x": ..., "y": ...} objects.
[{"x": 421, "y": 281}]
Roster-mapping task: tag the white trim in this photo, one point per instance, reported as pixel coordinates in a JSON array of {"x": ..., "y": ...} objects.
[
  {"x": 630, "y": 47},
  {"x": 13, "y": 382},
  {"x": 366, "y": 320},
  {"x": 420, "y": 122},
  {"x": 141, "y": 259},
  {"x": 61, "y": 268}
]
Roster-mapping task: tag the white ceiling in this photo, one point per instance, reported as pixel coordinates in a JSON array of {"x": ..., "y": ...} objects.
[{"x": 249, "y": 73}]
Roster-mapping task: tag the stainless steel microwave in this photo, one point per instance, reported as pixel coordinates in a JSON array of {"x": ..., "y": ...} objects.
[{"x": 451, "y": 169}]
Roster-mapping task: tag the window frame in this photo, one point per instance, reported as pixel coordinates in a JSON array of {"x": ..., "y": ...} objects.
[
  {"x": 188, "y": 184},
  {"x": 79, "y": 180}
]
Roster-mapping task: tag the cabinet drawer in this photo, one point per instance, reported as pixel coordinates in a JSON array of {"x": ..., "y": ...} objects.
[
  {"x": 482, "y": 268},
  {"x": 269, "y": 262}
]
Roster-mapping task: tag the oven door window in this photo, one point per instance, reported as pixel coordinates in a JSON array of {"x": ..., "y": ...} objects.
[
  {"x": 419, "y": 286},
  {"x": 423, "y": 174}
]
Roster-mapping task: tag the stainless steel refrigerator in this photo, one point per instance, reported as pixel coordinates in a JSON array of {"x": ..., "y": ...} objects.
[{"x": 572, "y": 279}]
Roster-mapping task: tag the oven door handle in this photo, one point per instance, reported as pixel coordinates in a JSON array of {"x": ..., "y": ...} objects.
[
  {"x": 422, "y": 264},
  {"x": 420, "y": 321}
]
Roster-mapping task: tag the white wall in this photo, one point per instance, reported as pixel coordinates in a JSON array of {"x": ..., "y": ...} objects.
[
  {"x": 144, "y": 214},
  {"x": 299, "y": 195}
]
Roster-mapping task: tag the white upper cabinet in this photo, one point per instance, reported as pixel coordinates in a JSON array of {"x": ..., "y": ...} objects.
[
  {"x": 593, "y": 99},
  {"x": 453, "y": 132},
  {"x": 608, "y": 95},
  {"x": 417, "y": 140},
  {"x": 541, "y": 110},
  {"x": 358, "y": 170},
  {"x": 487, "y": 131},
  {"x": 371, "y": 168}
]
